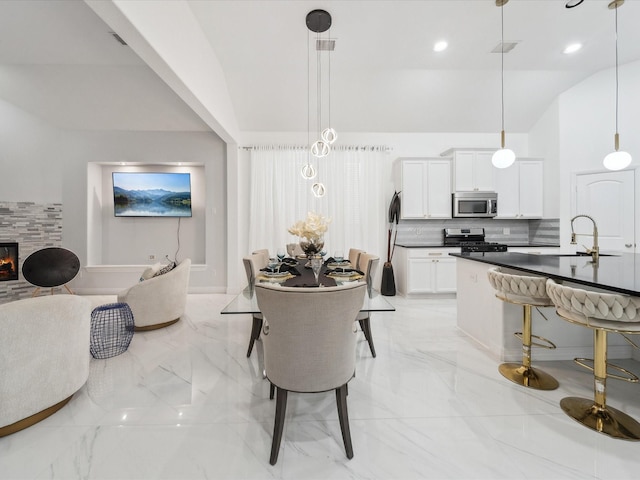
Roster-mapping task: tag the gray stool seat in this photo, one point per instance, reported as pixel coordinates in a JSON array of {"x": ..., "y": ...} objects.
[
  {"x": 528, "y": 291},
  {"x": 602, "y": 312},
  {"x": 111, "y": 330}
]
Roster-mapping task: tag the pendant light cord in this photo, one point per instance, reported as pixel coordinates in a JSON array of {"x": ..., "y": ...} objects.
[
  {"x": 616, "y": 9},
  {"x": 329, "y": 91},
  {"x": 318, "y": 84},
  {"x": 502, "y": 67},
  {"x": 308, "y": 100}
]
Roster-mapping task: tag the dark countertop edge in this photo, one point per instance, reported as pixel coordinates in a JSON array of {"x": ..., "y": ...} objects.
[
  {"x": 479, "y": 257},
  {"x": 439, "y": 245}
]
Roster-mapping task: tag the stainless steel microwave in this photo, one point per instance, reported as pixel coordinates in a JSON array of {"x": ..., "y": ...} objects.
[{"x": 474, "y": 204}]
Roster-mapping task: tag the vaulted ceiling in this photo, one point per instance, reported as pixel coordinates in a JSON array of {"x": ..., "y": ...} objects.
[{"x": 59, "y": 61}]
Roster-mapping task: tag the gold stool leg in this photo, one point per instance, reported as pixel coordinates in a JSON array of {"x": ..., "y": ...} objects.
[
  {"x": 595, "y": 414},
  {"x": 524, "y": 374}
]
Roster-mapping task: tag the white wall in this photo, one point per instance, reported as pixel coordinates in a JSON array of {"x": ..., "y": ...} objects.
[
  {"x": 50, "y": 165},
  {"x": 586, "y": 132},
  {"x": 544, "y": 142},
  {"x": 132, "y": 240}
]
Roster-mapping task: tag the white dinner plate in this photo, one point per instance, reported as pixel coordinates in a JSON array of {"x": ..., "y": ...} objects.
[
  {"x": 344, "y": 274},
  {"x": 275, "y": 274},
  {"x": 339, "y": 264}
]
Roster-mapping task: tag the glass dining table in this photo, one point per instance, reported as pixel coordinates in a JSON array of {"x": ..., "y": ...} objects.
[{"x": 246, "y": 303}]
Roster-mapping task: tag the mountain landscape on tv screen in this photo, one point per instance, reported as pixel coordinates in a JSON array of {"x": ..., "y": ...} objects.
[{"x": 151, "y": 203}]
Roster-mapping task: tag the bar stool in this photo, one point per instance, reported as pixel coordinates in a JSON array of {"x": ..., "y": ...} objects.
[
  {"x": 604, "y": 313},
  {"x": 527, "y": 291}
]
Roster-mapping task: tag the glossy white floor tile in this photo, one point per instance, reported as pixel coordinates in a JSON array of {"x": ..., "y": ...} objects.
[{"x": 185, "y": 403}]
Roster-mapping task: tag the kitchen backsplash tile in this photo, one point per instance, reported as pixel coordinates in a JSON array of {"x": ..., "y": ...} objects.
[{"x": 510, "y": 232}]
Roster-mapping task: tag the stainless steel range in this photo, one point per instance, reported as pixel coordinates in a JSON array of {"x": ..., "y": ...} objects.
[{"x": 470, "y": 240}]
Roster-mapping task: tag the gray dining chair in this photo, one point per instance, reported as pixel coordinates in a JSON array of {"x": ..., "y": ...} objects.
[
  {"x": 264, "y": 256},
  {"x": 368, "y": 266},
  {"x": 354, "y": 257},
  {"x": 309, "y": 345},
  {"x": 252, "y": 268}
]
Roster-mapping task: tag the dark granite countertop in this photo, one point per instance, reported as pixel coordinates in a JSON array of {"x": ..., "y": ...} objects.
[
  {"x": 440, "y": 245},
  {"x": 619, "y": 273}
]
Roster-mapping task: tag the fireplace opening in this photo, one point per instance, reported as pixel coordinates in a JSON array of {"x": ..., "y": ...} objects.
[{"x": 8, "y": 261}]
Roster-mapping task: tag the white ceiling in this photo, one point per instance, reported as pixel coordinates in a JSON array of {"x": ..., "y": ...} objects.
[{"x": 59, "y": 62}]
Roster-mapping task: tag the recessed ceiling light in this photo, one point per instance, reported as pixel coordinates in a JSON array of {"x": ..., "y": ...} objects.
[
  {"x": 573, "y": 3},
  {"x": 573, "y": 48},
  {"x": 440, "y": 46}
]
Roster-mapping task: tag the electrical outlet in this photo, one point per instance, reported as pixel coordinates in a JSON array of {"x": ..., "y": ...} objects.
[
  {"x": 152, "y": 257},
  {"x": 506, "y": 231}
]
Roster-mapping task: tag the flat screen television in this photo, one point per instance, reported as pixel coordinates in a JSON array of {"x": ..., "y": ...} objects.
[{"x": 158, "y": 194}]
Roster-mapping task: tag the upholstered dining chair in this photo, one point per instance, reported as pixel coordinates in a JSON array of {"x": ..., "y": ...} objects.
[
  {"x": 264, "y": 256},
  {"x": 294, "y": 249},
  {"x": 252, "y": 268},
  {"x": 368, "y": 266},
  {"x": 354, "y": 257},
  {"x": 309, "y": 346}
]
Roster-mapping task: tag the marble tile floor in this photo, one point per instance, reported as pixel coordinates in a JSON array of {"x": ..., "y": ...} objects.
[{"x": 185, "y": 403}]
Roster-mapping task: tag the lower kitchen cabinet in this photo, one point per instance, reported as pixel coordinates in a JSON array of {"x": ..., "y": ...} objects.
[{"x": 425, "y": 271}]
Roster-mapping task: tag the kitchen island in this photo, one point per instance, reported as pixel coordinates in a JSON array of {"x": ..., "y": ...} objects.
[{"x": 492, "y": 322}]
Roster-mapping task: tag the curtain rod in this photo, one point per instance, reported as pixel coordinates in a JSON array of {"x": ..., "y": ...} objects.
[{"x": 382, "y": 148}]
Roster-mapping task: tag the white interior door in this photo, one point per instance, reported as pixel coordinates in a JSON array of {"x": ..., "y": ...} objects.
[{"x": 609, "y": 199}]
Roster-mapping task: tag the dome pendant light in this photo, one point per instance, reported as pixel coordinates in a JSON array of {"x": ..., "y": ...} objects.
[
  {"x": 504, "y": 157},
  {"x": 616, "y": 160}
]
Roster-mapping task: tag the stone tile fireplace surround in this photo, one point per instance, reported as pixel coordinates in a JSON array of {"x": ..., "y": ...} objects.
[{"x": 33, "y": 226}]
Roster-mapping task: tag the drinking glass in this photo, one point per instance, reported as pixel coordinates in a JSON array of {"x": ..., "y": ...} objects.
[
  {"x": 338, "y": 256},
  {"x": 316, "y": 265},
  {"x": 273, "y": 264},
  {"x": 281, "y": 254}
]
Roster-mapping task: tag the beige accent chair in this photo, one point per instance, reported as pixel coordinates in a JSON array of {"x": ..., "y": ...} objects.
[
  {"x": 354, "y": 257},
  {"x": 44, "y": 357},
  {"x": 603, "y": 313},
  {"x": 309, "y": 346},
  {"x": 369, "y": 266},
  {"x": 252, "y": 268},
  {"x": 159, "y": 301}
]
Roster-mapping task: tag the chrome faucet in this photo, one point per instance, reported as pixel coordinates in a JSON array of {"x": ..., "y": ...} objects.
[{"x": 594, "y": 251}]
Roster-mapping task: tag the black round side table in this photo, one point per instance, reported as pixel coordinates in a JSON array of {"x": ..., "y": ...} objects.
[{"x": 51, "y": 267}]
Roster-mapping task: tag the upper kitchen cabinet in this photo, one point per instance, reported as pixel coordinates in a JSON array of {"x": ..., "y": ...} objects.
[
  {"x": 520, "y": 189},
  {"x": 472, "y": 169},
  {"x": 426, "y": 188}
]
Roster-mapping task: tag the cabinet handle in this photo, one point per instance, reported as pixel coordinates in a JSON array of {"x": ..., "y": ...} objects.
[
  {"x": 436, "y": 254},
  {"x": 628, "y": 245}
]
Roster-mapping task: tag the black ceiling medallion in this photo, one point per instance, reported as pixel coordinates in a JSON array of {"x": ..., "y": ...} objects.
[{"x": 318, "y": 21}]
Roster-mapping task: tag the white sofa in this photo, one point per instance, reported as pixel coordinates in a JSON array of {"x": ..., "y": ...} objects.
[
  {"x": 44, "y": 357},
  {"x": 159, "y": 301}
]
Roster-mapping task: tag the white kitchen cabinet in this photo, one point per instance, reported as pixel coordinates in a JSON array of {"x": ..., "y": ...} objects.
[
  {"x": 425, "y": 271},
  {"x": 472, "y": 169},
  {"x": 520, "y": 189},
  {"x": 425, "y": 186}
]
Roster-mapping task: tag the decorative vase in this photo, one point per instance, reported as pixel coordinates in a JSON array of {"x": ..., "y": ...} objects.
[{"x": 311, "y": 246}]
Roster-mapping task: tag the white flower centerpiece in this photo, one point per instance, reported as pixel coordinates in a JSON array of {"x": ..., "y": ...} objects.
[{"x": 311, "y": 232}]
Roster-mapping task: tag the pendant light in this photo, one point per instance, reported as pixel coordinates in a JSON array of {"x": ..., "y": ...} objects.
[
  {"x": 317, "y": 21},
  {"x": 616, "y": 160},
  {"x": 308, "y": 171},
  {"x": 504, "y": 157}
]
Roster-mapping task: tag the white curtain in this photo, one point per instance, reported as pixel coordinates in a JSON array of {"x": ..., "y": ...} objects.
[{"x": 354, "y": 200}]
